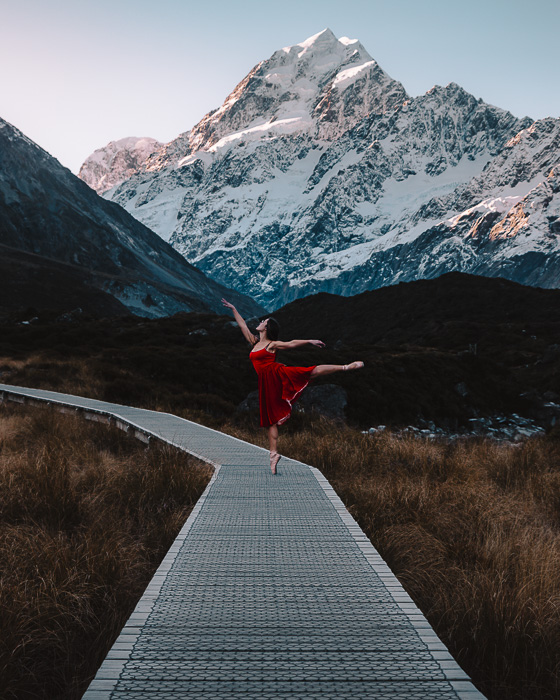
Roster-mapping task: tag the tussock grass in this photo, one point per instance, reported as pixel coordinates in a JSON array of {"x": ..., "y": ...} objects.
[
  {"x": 471, "y": 529},
  {"x": 86, "y": 515},
  {"x": 68, "y": 375}
]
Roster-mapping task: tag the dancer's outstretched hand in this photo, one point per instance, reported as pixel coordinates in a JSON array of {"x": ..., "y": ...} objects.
[
  {"x": 226, "y": 303},
  {"x": 318, "y": 343}
]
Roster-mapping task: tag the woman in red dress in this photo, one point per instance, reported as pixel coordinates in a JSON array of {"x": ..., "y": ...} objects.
[{"x": 279, "y": 385}]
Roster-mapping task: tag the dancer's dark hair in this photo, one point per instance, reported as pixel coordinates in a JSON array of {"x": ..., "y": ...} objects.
[{"x": 272, "y": 329}]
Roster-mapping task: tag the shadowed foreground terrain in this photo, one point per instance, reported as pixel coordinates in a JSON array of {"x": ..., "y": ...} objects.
[
  {"x": 444, "y": 350},
  {"x": 86, "y": 516}
]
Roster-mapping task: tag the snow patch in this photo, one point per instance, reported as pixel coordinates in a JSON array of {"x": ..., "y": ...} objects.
[
  {"x": 282, "y": 126},
  {"x": 498, "y": 204},
  {"x": 508, "y": 198},
  {"x": 204, "y": 156},
  {"x": 350, "y": 75},
  {"x": 347, "y": 42}
]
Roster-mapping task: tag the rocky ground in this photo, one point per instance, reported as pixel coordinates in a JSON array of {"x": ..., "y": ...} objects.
[
  {"x": 543, "y": 417},
  {"x": 513, "y": 428}
]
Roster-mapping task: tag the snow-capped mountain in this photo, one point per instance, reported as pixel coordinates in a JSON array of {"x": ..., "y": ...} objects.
[
  {"x": 319, "y": 173},
  {"x": 116, "y": 162},
  {"x": 50, "y": 219},
  {"x": 320, "y": 87}
]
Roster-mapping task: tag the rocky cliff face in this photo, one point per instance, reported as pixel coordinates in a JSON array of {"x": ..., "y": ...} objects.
[
  {"x": 319, "y": 173},
  {"x": 116, "y": 162},
  {"x": 47, "y": 211}
]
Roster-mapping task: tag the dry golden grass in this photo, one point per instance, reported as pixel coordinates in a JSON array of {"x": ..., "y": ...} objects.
[
  {"x": 68, "y": 375},
  {"x": 471, "y": 529},
  {"x": 86, "y": 515}
]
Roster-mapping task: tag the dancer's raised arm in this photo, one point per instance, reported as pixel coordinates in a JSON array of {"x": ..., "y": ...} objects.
[{"x": 241, "y": 323}]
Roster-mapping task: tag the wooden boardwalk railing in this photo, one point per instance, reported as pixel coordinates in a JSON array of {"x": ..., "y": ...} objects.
[{"x": 271, "y": 589}]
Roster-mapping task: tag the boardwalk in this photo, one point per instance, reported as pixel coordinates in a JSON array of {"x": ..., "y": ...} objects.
[{"x": 271, "y": 590}]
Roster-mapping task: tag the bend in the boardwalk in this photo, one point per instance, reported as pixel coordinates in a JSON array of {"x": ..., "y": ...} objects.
[{"x": 271, "y": 590}]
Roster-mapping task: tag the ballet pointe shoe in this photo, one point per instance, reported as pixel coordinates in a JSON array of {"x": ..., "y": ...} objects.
[
  {"x": 274, "y": 459},
  {"x": 353, "y": 365}
]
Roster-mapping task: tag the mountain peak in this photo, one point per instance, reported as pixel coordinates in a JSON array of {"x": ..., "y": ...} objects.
[
  {"x": 320, "y": 87},
  {"x": 322, "y": 41},
  {"x": 448, "y": 89},
  {"x": 325, "y": 42}
]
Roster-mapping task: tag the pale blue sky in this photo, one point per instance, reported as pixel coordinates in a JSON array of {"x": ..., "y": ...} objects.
[{"x": 77, "y": 74}]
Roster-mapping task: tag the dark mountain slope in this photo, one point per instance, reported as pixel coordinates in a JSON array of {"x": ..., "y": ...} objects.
[
  {"x": 46, "y": 210},
  {"x": 32, "y": 283},
  {"x": 449, "y": 312}
]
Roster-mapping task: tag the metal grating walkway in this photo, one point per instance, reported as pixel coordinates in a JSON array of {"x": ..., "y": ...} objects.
[{"x": 271, "y": 590}]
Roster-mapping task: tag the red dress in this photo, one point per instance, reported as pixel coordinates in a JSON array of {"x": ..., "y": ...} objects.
[{"x": 279, "y": 386}]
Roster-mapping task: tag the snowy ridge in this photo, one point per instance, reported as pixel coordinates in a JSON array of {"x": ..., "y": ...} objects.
[{"x": 320, "y": 173}]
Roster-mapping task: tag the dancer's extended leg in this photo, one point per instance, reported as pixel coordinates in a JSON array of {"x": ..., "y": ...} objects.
[{"x": 329, "y": 369}]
